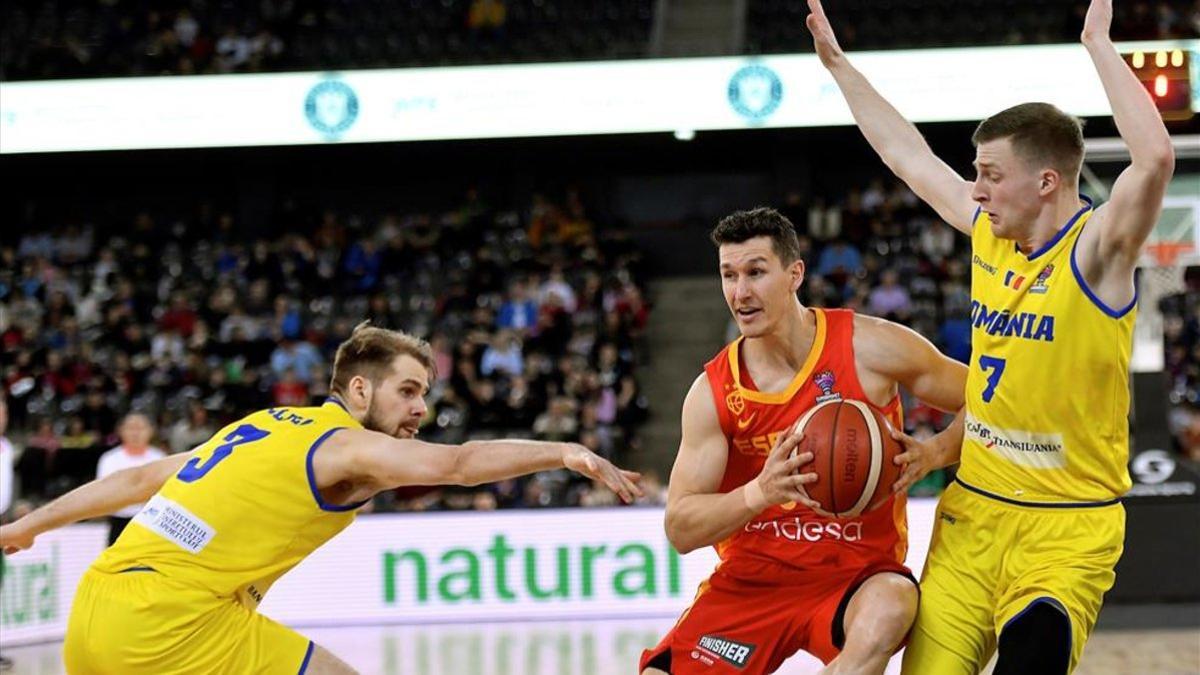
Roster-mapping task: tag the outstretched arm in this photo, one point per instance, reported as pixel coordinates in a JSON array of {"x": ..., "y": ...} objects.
[
  {"x": 894, "y": 138},
  {"x": 1125, "y": 221},
  {"x": 97, "y": 498},
  {"x": 384, "y": 462},
  {"x": 697, "y": 514},
  {"x": 901, "y": 355}
]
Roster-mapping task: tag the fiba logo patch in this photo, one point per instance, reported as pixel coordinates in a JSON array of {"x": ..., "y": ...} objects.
[
  {"x": 331, "y": 107},
  {"x": 755, "y": 92},
  {"x": 825, "y": 381},
  {"x": 1042, "y": 283}
]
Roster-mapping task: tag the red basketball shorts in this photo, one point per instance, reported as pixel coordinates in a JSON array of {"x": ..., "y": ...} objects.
[{"x": 751, "y": 615}]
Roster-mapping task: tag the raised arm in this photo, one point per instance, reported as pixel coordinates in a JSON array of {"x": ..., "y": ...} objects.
[
  {"x": 698, "y": 515},
  {"x": 894, "y": 138},
  {"x": 383, "y": 462},
  {"x": 901, "y": 355},
  {"x": 1111, "y": 245},
  {"x": 97, "y": 498}
]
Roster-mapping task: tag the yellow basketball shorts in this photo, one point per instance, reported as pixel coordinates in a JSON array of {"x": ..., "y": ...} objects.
[
  {"x": 139, "y": 622},
  {"x": 989, "y": 561}
]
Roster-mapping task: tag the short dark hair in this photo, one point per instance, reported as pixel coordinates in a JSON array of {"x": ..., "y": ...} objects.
[
  {"x": 763, "y": 221},
  {"x": 1040, "y": 133},
  {"x": 370, "y": 352}
]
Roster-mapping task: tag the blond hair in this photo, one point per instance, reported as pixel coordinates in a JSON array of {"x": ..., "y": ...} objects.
[{"x": 371, "y": 351}]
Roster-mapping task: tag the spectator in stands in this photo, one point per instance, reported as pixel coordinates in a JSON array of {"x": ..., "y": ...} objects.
[
  {"x": 298, "y": 356},
  {"x": 889, "y": 299},
  {"x": 39, "y": 459},
  {"x": 503, "y": 356},
  {"x": 559, "y": 422},
  {"x": 7, "y": 490},
  {"x": 136, "y": 432},
  {"x": 519, "y": 311},
  {"x": 289, "y": 390},
  {"x": 841, "y": 259},
  {"x": 487, "y": 16},
  {"x": 191, "y": 430},
  {"x": 7, "y": 453}
]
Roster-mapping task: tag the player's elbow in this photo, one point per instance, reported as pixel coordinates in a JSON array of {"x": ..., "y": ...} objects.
[
  {"x": 678, "y": 533},
  {"x": 141, "y": 482},
  {"x": 1158, "y": 160}
]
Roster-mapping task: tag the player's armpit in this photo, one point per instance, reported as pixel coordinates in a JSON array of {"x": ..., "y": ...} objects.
[{"x": 904, "y": 356}]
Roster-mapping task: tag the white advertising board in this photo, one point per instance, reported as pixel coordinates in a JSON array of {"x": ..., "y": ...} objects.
[
  {"x": 541, "y": 565},
  {"x": 606, "y": 97}
]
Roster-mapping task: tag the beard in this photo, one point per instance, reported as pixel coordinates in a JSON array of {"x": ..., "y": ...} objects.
[{"x": 372, "y": 420}]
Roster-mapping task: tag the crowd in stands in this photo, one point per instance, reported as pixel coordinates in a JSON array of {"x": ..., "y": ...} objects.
[
  {"x": 535, "y": 316},
  {"x": 1181, "y": 337},
  {"x": 74, "y": 38},
  {"x": 777, "y": 26}
]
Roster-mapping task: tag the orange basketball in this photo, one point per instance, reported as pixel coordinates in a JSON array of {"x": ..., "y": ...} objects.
[{"x": 853, "y": 453}]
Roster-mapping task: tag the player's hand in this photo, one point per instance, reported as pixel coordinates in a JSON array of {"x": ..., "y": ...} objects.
[
  {"x": 1098, "y": 20},
  {"x": 581, "y": 460},
  {"x": 828, "y": 49},
  {"x": 918, "y": 459},
  {"x": 779, "y": 479},
  {"x": 14, "y": 537}
]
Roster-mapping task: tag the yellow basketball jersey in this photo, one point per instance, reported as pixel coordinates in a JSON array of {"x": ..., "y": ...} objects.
[
  {"x": 1048, "y": 389},
  {"x": 244, "y": 511}
]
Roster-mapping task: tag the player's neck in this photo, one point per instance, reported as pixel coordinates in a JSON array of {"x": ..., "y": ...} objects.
[
  {"x": 788, "y": 345},
  {"x": 1051, "y": 219}
]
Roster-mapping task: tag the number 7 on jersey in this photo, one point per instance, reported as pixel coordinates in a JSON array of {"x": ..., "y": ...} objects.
[{"x": 996, "y": 365}]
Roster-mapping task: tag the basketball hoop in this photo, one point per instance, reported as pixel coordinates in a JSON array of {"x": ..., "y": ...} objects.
[{"x": 1165, "y": 253}]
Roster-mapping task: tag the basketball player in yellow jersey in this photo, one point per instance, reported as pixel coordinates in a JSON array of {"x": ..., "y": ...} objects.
[
  {"x": 1027, "y": 538},
  {"x": 178, "y": 590}
]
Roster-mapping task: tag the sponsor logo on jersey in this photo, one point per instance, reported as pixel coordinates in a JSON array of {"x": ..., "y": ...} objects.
[
  {"x": 1005, "y": 323},
  {"x": 795, "y": 529},
  {"x": 1042, "y": 283},
  {"x": 983, "y": 265},
  {"x": 735, "y": 653},
  {"x": 1025, "y": 448},
  {"x": 173, "y": 522}
]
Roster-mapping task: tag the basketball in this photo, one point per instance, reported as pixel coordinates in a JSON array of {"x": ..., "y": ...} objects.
[{"x": 853, "y": 454}]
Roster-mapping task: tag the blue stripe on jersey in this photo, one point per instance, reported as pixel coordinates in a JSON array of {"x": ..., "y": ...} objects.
[
  {"x": 312, "y": 478},
  {"x": 1083, "y": 286}
]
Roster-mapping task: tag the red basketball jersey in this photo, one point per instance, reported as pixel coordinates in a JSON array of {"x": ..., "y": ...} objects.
[{"x": 791, "y": 533}]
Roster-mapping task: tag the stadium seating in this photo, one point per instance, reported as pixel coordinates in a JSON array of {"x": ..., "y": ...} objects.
[{"x": 218, "y": 322}]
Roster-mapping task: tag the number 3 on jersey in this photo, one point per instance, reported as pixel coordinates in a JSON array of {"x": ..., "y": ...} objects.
[
  {"x": 996, "y": 365},
  {"x": 246, "y": 433}
]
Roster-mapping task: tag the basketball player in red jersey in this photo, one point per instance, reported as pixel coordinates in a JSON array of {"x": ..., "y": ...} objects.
[{"x": 790, "y": 579}]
